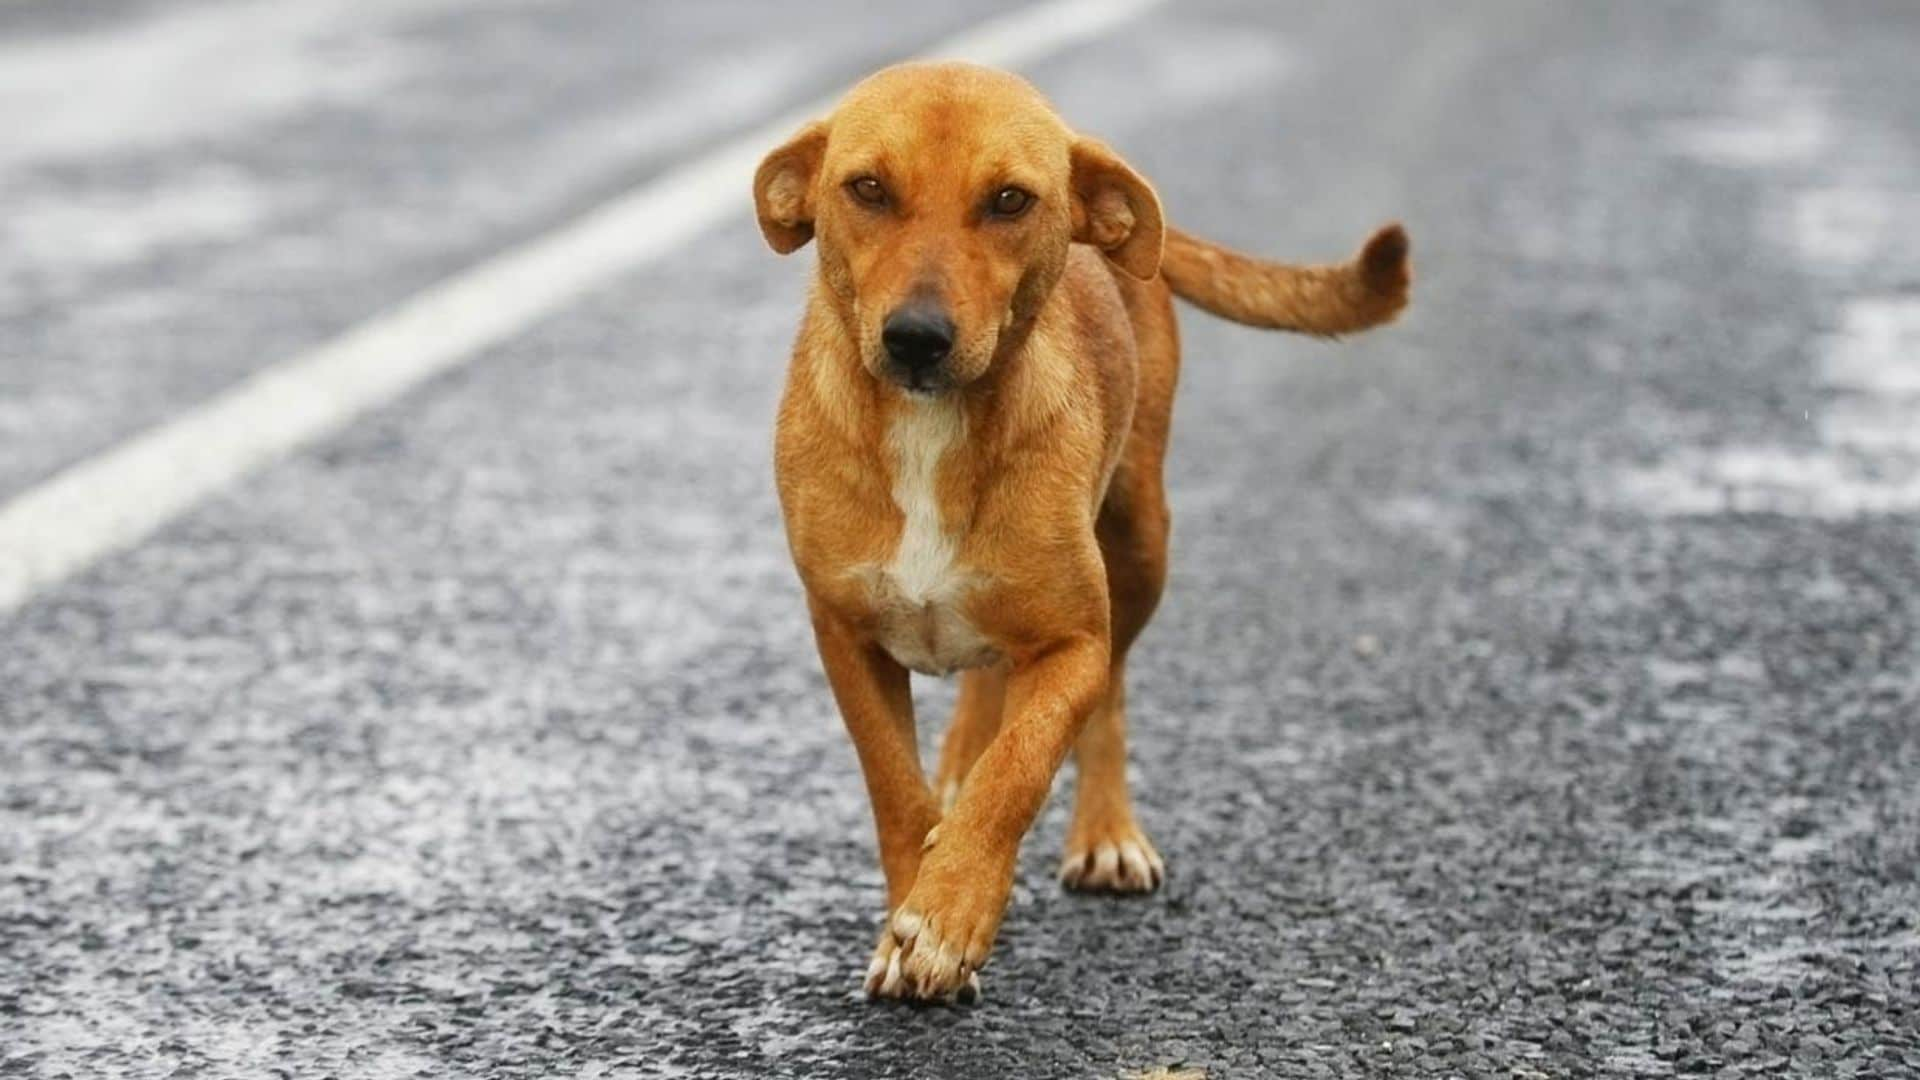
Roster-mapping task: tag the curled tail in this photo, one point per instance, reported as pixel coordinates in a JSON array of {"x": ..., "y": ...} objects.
[{"x": 1329, "y": 300}]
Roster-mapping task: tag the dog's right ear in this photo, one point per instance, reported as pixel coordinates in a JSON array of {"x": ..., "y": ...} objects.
[
  {"x": 783, "y": 189},
  {"x": 1115, "y": 209}
]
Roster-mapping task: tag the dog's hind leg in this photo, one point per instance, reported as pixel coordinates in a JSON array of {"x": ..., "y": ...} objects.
[
  {"x": 1107, "y": 851},
  {"x": 976, "y": 720}
]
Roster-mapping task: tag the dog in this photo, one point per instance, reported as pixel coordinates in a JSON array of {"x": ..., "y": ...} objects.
[{"x": 968, "y": 453}]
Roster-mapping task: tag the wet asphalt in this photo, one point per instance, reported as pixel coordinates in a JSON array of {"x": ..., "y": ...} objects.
[{"x": 1537, "y": 693}]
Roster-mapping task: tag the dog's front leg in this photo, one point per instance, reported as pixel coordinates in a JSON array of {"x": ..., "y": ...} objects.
[
  {"x": 946, "y": 926},
  {"x": 876, "y": 703}
]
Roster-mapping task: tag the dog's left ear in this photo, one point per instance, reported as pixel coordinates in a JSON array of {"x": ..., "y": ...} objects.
[
  {"x": 1115, "y": 209},
  {"x": 783, "y": 188}
]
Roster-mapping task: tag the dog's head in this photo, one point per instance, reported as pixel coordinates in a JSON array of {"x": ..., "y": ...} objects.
[{"x": 944, "y": 197}]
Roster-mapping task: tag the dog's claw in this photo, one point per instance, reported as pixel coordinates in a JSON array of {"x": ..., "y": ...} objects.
[
  {"x": 884, "y": 978},
  {"x": 894, "y": 984}
]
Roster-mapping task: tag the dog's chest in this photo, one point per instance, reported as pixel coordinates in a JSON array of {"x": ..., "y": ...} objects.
[{"x": 917, "y": 594}]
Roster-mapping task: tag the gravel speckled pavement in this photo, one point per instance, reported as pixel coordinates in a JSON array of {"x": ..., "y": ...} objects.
[{"x": 1537, "y": 693}]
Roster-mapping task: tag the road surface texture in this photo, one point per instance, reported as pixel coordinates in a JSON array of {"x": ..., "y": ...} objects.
[{"x": 1537, "y": 693}]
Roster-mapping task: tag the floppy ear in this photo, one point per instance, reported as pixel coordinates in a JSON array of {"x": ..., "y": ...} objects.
[
  {"x": 783, "y": 189},
  {"x": 1115, "y": 209}
]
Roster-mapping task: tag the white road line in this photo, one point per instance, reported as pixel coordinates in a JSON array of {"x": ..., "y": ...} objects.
[
  {"x": 117, "y": 498},
  {"x": 1864, "y": 458}
]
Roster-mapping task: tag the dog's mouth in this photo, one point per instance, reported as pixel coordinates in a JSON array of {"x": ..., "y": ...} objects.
[
  {"x": 921, "y": 380},
  {"x": 920, "y": 384}
]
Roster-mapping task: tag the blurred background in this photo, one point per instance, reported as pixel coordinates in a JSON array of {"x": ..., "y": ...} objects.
[{"x": 1535, "y": 694}]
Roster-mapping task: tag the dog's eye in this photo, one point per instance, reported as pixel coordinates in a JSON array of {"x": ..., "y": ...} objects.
[
  {"x": 868, "y": 190},
  {"x": 1010, "y": 202}
]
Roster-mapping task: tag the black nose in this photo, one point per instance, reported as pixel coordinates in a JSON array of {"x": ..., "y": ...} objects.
[{"x": 917, "y": 336}]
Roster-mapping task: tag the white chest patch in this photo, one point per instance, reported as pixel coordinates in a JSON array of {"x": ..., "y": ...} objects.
[{"x": 918, "y": 591}]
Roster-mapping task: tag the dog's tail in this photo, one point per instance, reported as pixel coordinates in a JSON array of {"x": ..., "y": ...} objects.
[{"x": 1329, "y": 300}]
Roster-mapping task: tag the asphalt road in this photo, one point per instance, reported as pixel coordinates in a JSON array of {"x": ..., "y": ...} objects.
[{"x": 1537, "y": 693}]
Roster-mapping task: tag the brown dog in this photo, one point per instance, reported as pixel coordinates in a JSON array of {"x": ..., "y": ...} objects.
[{"x": 969, "y": 455}]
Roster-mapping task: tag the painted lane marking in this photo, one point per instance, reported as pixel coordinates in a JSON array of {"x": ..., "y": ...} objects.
[{"x": 1865, "y": 457}]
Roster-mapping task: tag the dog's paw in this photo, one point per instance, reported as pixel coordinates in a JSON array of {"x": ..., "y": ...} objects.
[
  {"x": 945, "y": 928},
  {"x": 1114, "y": 859},
  {"x": 885, "y": 980}
]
